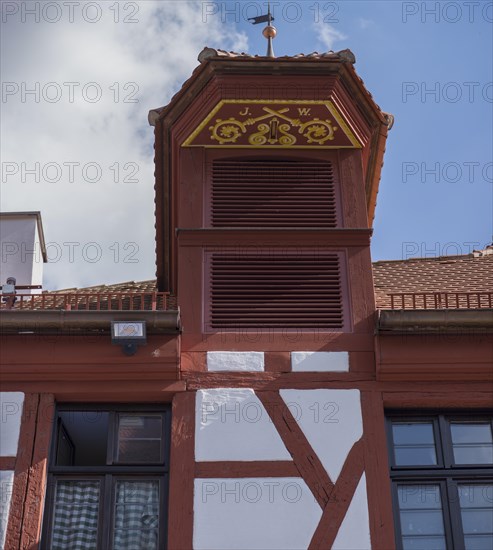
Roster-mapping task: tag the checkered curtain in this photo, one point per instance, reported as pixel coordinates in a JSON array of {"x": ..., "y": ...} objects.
[
  {"x": 136, "y": 515},
  {"x": 75, "y": 525},
  {"x": 136, "y": 520}
]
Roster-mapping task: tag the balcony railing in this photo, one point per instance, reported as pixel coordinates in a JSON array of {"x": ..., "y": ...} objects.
[
  {"x": 441, "y": 300},
  {"x": 97, "y": 301}
]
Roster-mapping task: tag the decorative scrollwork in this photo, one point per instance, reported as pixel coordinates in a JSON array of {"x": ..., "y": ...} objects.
[
  {"x": 227, "y": 131},
  {"x": 259, "y": 138},
  {"x": 273, "y": 128},
  {"x": 286, "y": 139},
  {"x": 318, "y": 131}
]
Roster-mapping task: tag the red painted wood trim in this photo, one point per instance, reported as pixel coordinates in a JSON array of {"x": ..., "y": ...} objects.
[
  {"x": 445, "y": 400},
  {"x": 110, "y": 391},
  {"x": 102, "y": 373},
  {"x": 304, "y": 457},
  {"x": 318, "y": 238},
  {"x": 21, "y": 476},
  {"x": 182, "y": 470},
  {"x": 270, "y": 340},
  {"x": 458, "y": 392},
  {"x": 161, "y": 209},
  {"x": 277, "y": 361},
  {"x": 193, "y": 361},
  {"x": 352, "y": 182},
  {"x": 246, "y": 469},
  {"x": 436, "y": 372},
  {"x": 7, "y": 462},
  {"x": 34, "y": 504},
  {"x": 340, "y": 499},
  {"x": 377, "y": 471},
  {"x": 271, "y": 381}
]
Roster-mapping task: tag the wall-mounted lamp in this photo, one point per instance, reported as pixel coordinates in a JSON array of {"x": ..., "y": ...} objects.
[
  {"x": 9, "y": 292},
  {"x": 128, "y": 335}
]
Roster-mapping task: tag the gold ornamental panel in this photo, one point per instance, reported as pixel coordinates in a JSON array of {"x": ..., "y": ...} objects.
[{"x": 273, "y": 124}]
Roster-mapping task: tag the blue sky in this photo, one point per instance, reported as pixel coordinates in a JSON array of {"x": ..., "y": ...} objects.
[{"x": 81, "y": 153}]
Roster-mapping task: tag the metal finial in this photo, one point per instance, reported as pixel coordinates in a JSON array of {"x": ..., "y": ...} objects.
[{"x": 269, "y": 32}]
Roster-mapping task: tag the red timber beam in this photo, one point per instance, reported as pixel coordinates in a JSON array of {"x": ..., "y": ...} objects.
[
  {"x": 26, "y": 508},
  {"x": 182, "y": 466},
  {"x": 334, "y": 499}
]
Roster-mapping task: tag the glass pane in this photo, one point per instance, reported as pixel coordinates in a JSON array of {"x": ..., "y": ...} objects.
[
  {"x": 136, "y": 513},
  {"x": 76, "y": 510},
  {"x": 421, "y": 517},
  {"x": 468, "y": 432},
  {"x": 132, "y": 451},
  {"x": 65, "y": 448},
  {"x": 478, "y": 542},
  {"x": 412, "y": 433},
  {"x": 419, "y": 497},
  {"x": 475, "y": 496},
  {"x": 415, "y": 456},
  {"x": 139, "y": 438},
  {"x": 472, "y": 442},
  {"x": 473, "y": 454},
  {"x": 135, "y": 540},
  {"x": 414, "y": 443},
  {"x": 424, "y": 543},
  {"x": 86, "y": 433},
  {"x": 477, "y": 521},
  {"x": 476, "y": 504},
  {"x": 422, "y": 522}
]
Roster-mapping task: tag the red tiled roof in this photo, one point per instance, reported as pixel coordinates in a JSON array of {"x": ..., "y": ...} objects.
[
  {"x": 128, "y": 286},
  {"x": 128, "y": 296},
  {"x": 208, "y": 53},
  {"x": 448, "y": 274},
  {"x": 212, "y": 54}
]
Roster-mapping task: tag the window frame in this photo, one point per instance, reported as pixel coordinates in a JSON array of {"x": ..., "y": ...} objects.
[
  {"x": 446, "y": 474},
  {"x": 111, "y": 472}
]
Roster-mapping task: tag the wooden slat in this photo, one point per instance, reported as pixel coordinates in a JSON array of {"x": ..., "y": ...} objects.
[
  {"x": 273, "y": 193},
  {"x": 276, "y": 290}
]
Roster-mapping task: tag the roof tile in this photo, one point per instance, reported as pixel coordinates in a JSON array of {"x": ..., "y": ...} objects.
[{"x": 469, "y": 273}]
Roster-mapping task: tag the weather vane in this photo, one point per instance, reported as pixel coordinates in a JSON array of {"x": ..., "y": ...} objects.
[{"x": 269, "y": 32}]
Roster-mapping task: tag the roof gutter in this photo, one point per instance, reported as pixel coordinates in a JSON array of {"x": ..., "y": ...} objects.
[
  {"x": 62, "y": 322},
  {"x": 450, "y": 321}
]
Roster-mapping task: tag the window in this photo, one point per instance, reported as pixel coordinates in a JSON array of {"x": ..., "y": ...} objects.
[
  {"x": 442, "y": 480},
  {"x": 108, "y": 479}
]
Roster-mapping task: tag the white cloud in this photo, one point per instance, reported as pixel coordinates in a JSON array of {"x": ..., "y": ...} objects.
[
  {"x": 365, "y": 23},
  {"x": 328, "y": 35},
  {"x": 134, "y": 67}
]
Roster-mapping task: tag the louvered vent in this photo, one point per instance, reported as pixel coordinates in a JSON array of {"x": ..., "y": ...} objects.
[
  {"x": 273, "y": 193},
  {"x": 277, "y": 291}
]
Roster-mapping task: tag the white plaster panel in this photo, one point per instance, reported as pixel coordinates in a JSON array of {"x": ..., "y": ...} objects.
[
  {"x": 254, "y": 514},
  {"x": 232, "y": 424},
  {"x": 6, "y": 485},
  {"x": 10, "y": 422},
  {"x": 355, "y": 529},
  {"x": 320, "y": 361},
  {"x": 331, "y": 421},
  {"x": 242, "y": 361}
]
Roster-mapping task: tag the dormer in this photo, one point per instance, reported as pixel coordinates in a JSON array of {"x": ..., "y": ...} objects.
[{"x": 267, "y": 172}]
